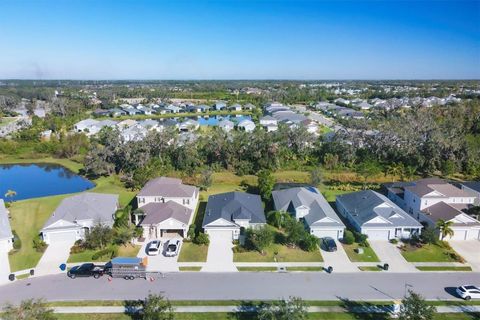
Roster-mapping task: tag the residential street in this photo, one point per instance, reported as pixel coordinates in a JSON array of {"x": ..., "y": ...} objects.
[{"x": 243, "y": 286}]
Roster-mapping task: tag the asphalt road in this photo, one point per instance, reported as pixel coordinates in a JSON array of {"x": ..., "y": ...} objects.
[{"x": 242, "y": 286}]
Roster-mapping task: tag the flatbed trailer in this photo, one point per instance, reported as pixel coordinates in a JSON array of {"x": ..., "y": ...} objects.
[{"x": 130, "y": 268}]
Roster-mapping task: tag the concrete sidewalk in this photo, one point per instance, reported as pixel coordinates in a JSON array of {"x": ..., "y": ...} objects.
[{"x": 228, "y": 309}]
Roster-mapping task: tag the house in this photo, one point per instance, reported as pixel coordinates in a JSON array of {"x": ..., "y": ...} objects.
[
  {"x": 101, "y": 113},
  {"x": 249, "y": 106},
  {"x": 165, "y": 219},
  {"x": 147, "y": 111},
  {"x": 188, "y": 125},
  {"x": 268, "y": 120},
  {"x": 116, "y": 112},
  {"x": 472, "y": 188},
  {"x": 228, "y": 212},
  {"x": 163, "y": 189},
  {"x": 173, "y": 109},
  {"x": 235, "y": 107},
  {"x": 220, "y": 105},
  {"x": 376, "y": 216},
  {"x": 309, "y": 205},
  {"x": 246, "y": 125},
  {"x": 6, "y": 235},
  {"x": 134, "y": 133},
  {"x": 311, "y": 126},
  {"x": 226, "y": 125},
  {"x": 84, "y": 125},
  {"x": 77, "y": 214},
  {"x": 133, "y": 112}
]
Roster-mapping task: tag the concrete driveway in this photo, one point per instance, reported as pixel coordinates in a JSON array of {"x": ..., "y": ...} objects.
[
  {"x": 338, "y": 260},
  {"x": 469, "y": 250},
  {"x": 220, "y": 254},
  {"x": 4, "y": 267},
  {"x": 389, "y": 253},
  {"x": 159, "y": 262},
  {"x": 56, "y": 254}
]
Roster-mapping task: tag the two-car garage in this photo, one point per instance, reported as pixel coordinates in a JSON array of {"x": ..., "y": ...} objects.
[
  {"x": 322, "y": 233},
  {"x": 377, "y": 234},
  {"x": 465, "y": 234},
  {"x": 61, "y": 236}
]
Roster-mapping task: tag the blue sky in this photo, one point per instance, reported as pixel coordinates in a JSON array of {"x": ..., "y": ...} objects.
[{"x": 239, "y": 39}]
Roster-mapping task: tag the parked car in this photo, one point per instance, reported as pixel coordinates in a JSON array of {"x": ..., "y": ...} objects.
[
  {"x": 153, "y": 248},
  {"x": 86, "y": 270},
  {"x": 329, "y": 244},
  {"x": 469, "y": 292},
  {"x": 173, "y": 247}
]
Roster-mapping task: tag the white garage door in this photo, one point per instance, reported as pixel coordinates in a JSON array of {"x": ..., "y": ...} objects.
[
  {"x": 62, "y": 236},
  {"x": 377, "y": 234},
  {"x": 473, "y": 234},
  {"x": 319, "y": 233},
  {"x": 459, "y": 234}
]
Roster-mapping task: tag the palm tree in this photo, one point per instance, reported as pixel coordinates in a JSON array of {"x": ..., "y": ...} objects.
[{"x": 445, "y": 228}]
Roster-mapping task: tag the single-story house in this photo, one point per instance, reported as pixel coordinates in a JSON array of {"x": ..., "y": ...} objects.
[
  {"x": 268, "y": 120},
  {"x": 226, "y": 125},
  {"x": 309, "y": 205},
  {"x": 249, "y": 106},
  {"x": 6, "y": 236},
  {"x": 235, "y": 107},
  {"x": 246, "y": 125},
  {"x": 220, "y": 105},
  {"x": 188, "y": 125},
  {"x": 376, "y": 216},
  {"x": 230, "y": 211},
  {"x": 164, "y": 189},
  {"x": 116, "y": 112},
  {"x": 84, "y": 125},
  {"x": 165, "y": 219},
  {"x": 77, "y": 214}
]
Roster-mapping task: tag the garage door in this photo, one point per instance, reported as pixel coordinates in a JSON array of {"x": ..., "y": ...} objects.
[
  {"x": 459, "y": 234},
  {"x": 377, "y": 234},
  {"x": 473, "y": 234},
  {"x": 61, "y": 236},
  {"x": 221, "y": 234},
  {"x": 325, "y": 233},
  {"x": 172, "y": 233}
]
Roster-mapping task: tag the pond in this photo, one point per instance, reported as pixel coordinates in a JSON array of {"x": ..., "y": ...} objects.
[
  {"x": 39, "y": 180},
  {"x": 214, "y": 120}
]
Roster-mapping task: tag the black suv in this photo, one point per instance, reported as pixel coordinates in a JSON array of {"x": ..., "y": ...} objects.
[
  {"x": 86, "y": 270},
  {"x": 329, "y": 244}
]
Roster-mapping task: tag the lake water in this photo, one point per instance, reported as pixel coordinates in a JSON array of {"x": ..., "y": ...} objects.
[
  {"x": 214, "y": 120},
  {"x": 39, "y": 180}
]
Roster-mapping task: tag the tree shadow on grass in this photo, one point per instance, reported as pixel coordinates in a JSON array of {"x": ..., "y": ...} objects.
[
  {"x": 365, "y": 310},
  {"x": 246, "y": 310},
  {"x": 132, "y": 308}
]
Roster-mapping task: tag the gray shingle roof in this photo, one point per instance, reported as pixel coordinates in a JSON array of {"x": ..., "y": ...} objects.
[
  {"x": 309, "y": 197},
  {"x": 474, "y": 185},
  {"x": 157, "y": 212},
  {"x": 85, "y": 206},
  {"x": 234, "y": 205},
  {"x": 365, "y": 205},
  {"x": 167, "y": 187},
  {"x": 5, "y": 229}
]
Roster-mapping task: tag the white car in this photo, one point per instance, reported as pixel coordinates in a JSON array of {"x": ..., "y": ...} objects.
[
  {"x": 153, "y": 248},
  {"x": 173, "y": 247},
  {"x": 469, "y": 292}
]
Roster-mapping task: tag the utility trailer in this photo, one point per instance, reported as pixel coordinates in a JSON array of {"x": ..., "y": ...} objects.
[{"x": 127, "y": 268}]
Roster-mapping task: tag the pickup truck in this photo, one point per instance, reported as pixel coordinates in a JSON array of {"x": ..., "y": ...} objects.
[{"x": 86, "y": 270}]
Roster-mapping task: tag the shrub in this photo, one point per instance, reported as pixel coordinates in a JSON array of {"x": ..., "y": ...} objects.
[
  {"x": 202, "y": 239},
  {"x": 259, "y": 239},
  {"x": 102, "y": 253},
  {"x": 360, "y": 237},
  {"x": 429, "y": 235},
  {"x": 239, "y": 249},
  {"x": 309, "y": 243},
  {"x": 348, "y": 237},
  {"x": 17, "y": 243},
  {"x": 191, "y": 232},
  {"x": 77, "y": 248},
  {"x": 39, "y": 245},
  {"x": 364, "y": 244},
  {"x": 393, "y": 241}
]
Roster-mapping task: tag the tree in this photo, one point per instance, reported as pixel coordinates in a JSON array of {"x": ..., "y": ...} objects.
[
  {"x": 291, "y": 309},
  {"x": 99, "y": 236},
  {"x": 309, "y": 242},
  {"x": 266, "y": 181},
  {"x": 414, "y": 307},
  {"x": 259, "y": 238},
  {"x": 445, "y": 228},
  {"x": 368, "y": 169},
  {"x": 316, "y": 177},
  {"x": 429, "y": 235},
  {"x": 156, "y": 307},
  {"x": 206, "y": 179},
  {"x": 348, "y": 237},
  {"x": 28, "y": 310},
  {"x": 276, "y": 218},
  {"x": 202, "y": 239},
  {"x": 295, "y": 231}
]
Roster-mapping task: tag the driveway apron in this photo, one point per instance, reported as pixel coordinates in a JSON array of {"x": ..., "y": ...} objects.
[
  {"x": 220, "y": 254},
  {"x": 56, "y": 254},
  {"x": 469, "y": 250},
  {"x": 389, "y": 253}
]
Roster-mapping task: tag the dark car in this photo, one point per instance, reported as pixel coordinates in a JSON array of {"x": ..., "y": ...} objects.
[
  {"x": 329, "y": 244},
  {"x": 86, "y": 270}
]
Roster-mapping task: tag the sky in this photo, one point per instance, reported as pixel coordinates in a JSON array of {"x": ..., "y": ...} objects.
[{"x": 239, "y": 39}]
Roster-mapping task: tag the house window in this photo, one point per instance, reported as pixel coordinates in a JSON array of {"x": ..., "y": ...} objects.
[
  {"x": 141, "y": 200},
  {"x": 426, "y": 202}
]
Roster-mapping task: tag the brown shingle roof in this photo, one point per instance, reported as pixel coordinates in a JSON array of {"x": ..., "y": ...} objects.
[
  {"x": 167, "y": 187},
  {"x": 157, "y": 212}
]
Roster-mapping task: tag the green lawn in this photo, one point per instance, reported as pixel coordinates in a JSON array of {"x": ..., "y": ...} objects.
[
  {"x": 370, "y": 268},
  {"x": 256, "y": 269},
  {"x": 6, "y": 120},
  {"x": 190, "y": 268},
  {"x": 368, "y": 254},
  {"x": 227, "y": 316},
  {"x": 444, "y": 268},
  {"x": 285, "y": 254},
  {"x": 429, "y": 253},
  {"x": 191, "y": 252},
  {"x": 308, "y": 269},
  {"x": 86, "y": 256}
]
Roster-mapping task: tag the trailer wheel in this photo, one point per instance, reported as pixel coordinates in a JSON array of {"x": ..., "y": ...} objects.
[
  {"x": 126, "y": 278},
  {"x": 96, "y": 275},
  {"x": 132, "y": 277}
]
